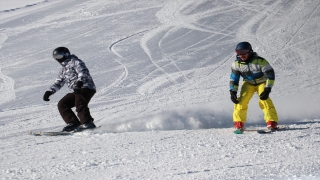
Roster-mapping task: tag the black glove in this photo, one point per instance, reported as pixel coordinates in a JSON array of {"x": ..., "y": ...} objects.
[
  {"x": 77, "y": 88},
  {"x": 234, "y": 98},
  {"x": 265, "y": 94},
  {"x": 46, "y": 95}
]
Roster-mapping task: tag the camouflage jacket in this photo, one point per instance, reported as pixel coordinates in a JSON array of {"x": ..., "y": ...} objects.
[{"x": 73, "y": 70}]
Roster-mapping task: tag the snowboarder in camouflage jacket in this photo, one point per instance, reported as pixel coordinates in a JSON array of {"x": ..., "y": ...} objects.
[{"x": 75, "y": 73}]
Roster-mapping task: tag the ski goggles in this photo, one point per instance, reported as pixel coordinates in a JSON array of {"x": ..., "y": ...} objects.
[
  {"x": 242, "y": 52},
  {"x": 58, "y": 56}
]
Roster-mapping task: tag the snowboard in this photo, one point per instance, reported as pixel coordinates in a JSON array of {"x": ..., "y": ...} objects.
[
  {"x": 58, "y": 133},
  {"x": 261, "y": 131},
  {"x": 268, "y": 131},
  {"x": 50, "y": 133}
]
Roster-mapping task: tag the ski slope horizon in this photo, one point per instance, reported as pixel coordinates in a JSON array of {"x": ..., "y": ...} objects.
[{"x": 162, "y": 75}]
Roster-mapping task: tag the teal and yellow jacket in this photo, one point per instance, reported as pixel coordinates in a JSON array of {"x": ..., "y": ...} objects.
[{"x": 255, "y": 70}]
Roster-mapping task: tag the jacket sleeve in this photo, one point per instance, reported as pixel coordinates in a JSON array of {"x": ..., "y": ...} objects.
[
  {"x": 83, "y": 73},
  {"x": 58, "y": 83},
  {"x": 234, "y": 78},
  {"x": 268, "y": 72}
]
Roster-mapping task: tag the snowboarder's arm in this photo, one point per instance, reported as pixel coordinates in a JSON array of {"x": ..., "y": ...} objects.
[
  {"x": 268, "y": 71},
  {"x": 234, "y": 78},
  {"x": 82, "y": 70},
  {"x": 58, "y": 83}
]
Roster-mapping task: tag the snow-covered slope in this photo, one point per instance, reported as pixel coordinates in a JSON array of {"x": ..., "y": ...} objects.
[{"x": 162, "y": 72}]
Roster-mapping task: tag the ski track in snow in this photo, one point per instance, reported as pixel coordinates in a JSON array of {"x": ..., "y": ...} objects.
[
  {"x": 162, "y": 72},
  {"x": 6, "y": 83}
]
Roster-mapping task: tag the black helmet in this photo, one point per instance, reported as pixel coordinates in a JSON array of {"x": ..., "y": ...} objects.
[
  {"x": 244, "y": 48},
  {"x": 60, "y": 54}
]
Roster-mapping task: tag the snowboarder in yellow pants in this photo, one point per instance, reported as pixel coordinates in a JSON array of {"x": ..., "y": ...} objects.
[{"x": 258, "y": 76}]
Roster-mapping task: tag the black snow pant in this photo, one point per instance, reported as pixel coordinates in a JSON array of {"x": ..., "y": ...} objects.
[{"x": 80, "y": 101}]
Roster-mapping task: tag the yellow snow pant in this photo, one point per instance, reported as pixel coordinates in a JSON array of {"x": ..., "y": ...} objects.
[{"x": 246, "y": 93}]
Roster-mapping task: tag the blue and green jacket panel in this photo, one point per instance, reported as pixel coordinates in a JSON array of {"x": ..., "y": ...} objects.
[{"x": 255, "y": 70}]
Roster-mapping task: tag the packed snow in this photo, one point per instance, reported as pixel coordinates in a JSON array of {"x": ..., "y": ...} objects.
[{"x": 162, "y": 74}]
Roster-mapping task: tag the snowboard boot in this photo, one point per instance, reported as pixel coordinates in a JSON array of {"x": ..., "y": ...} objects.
[
  {"x": 87, "y": 125},
  {"x": 239, "y": 127},
  {"x": 272, "y": 125},
  {"x": 71, "y": 126}
]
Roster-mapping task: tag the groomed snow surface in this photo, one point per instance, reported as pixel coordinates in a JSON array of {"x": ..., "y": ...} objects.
[{"x": 162, "y": 72}]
